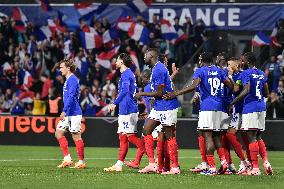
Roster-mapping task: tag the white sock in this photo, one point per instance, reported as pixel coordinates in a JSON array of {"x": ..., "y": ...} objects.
[
  {"x": 81, "y": 161},
  {"x": 67, "y": 158},
  {"x": 119, "y": 163}
]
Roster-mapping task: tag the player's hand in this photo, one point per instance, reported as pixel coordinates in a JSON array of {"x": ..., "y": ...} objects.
[
  {"x": 229, "y": 109},
  {"x": 137, "y": 95},
  {"x": 62, "y": 116},
  {"x": 230, "y": 71},
  {"x": 169, "y": 95},
  {"x": 143, "y": 115},
  {"x": 111, "y": 107},
  {"x": 175, "y": 70}
]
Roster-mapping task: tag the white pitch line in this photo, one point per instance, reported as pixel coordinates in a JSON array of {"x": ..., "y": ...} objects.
[
  {"x": 98, "y": 158},
  {"x": 53, "y": 159}
]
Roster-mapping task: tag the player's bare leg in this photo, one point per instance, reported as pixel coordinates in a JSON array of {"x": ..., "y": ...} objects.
[{"x": 67, "y": 160}]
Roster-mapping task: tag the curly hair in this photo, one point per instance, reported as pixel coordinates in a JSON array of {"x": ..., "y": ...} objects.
[
  {"x": 69, "y": 63},
  {"x": 127, "y": 61},
  {"x": 249, "y": 58}
]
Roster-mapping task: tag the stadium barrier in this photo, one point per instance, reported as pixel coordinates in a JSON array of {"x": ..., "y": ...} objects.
[{"x": 101, "y": 132}]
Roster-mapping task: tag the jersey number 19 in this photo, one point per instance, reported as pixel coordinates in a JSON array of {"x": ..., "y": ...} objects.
[{"x": 214, "y": 84}]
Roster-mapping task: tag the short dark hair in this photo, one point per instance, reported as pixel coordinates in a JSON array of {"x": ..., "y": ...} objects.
[
  {"x": 156, "y": 51},
  {"x": 69, "y": 63},
  {"x": 206, "y": 57},
  {"x": 224, "y": 55},
  {"x": 234, "y": 59},
  {"x": 249, "y": 58},
  {"x": 147, "y": 73},
  {"x": 127, "y": 61},
  {"x": 163, "y": 58}
]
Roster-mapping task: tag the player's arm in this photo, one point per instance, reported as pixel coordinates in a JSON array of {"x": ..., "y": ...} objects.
[
  {"x": 187, "y": 89},
  {"x": 265, "y": 90},
  {"x": 244, "y": 93},
  {"x": 122, "y": 94},
  {"x": 152, "y": 100},
  {"x": 175, "y": 71},
  {"x": 237, "y": 85},
  {"x": 157, "y": 93}
]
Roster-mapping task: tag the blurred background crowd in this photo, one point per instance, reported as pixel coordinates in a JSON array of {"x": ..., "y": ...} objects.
[{"x": 31, "y": 83}]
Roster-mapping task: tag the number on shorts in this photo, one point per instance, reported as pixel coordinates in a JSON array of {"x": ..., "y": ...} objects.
[
  {"x": 162, "y": 117},
  {"x": 125, "y": 125},
  {"x": 215, "y": 84}
]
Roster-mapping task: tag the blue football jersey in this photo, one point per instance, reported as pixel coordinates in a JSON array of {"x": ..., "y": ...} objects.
[
  {"x": 147, "y": 99},
  {"x": 160, "y": 76},
  {"x": 237, "y": 79},
  {"x": 227, "y": 93},
  {"x": 254, "y": 101},
  {"x": 71, "y": 92},
  {"x": 212, "y": 77},
  {"x": 127, "y": 88}
]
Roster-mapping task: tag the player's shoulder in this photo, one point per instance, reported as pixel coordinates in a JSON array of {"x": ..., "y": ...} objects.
[
  {"x": 260, "y": 72},
  {"x": 246, "y": 72},
  {"x": 73, "y": 78},
  {"x": 159, "y": 66}
]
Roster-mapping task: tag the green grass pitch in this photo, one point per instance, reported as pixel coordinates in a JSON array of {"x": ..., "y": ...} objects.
[{"x": 26, "y": 167}]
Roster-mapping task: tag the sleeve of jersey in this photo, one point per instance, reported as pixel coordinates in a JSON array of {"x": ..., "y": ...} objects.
[
  {"x": 245, "y": 78},
  {"x": 197, "y": 74},
  {"x": 123, "y": 91},
  {"x": 265, "y": 79},
  {"x": 225, "y": 76},
  {"x": 70, "y": 95}
]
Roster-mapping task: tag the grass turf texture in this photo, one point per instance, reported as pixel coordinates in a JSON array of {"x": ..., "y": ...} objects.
[{"x": 36, "y": 167}]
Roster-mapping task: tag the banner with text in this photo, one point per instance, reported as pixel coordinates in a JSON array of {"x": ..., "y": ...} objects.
[{"x": 215, "y": 16}]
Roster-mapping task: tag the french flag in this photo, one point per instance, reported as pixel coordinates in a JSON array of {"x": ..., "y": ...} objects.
[
  {"x": 110, "y": 35},
  {"x": 90, "y": 40},
  {"x": 20, "y": 19},
  {"x": 104, "y": 58},
  {"x": 139, "y": 5},
  {"x": 87, "y": 10},
  {"x": 274, "y": 33},
  {"x": 134, "y": 59},
  {"x": 168, "y": 30},
  {"x": 181, "y": 36},
  {"x": 124, "y": 23},
  {"x": 43, "y": 33},
  {"x": 45, "y": 5},
  {"x": 260, "y": 39},
  {"x": 139, "y": 33},
  {"x": 60, "y": 21},
  {"x": 52, "y": 26}
]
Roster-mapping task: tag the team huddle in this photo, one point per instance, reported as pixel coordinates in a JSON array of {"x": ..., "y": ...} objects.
[{"x": 231, "y": 94}]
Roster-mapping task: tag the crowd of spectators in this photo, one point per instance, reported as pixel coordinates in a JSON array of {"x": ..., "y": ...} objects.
[{"x": 31, "y": 83}]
